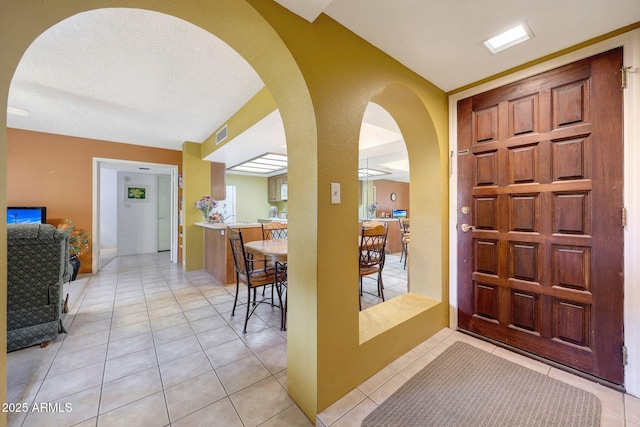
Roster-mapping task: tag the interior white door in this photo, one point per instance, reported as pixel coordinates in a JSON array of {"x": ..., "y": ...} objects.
[{"x": 164, "y": 213}]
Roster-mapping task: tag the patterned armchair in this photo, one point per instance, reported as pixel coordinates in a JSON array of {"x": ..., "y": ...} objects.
[{"x": 37, "y": 268}]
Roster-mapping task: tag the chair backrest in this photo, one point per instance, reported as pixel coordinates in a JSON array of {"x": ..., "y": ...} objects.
[
  {"x": 237, "y": 249},
  {"x": 37, "y": 258},
  {"x": 372, "y": 246},
  {"x": 373, "y": 223},
  {"x": 274, "y": 230},
  {"x": 404, "y": 225}
]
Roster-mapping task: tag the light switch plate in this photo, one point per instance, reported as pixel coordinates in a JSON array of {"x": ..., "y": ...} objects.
[{"x": 335, "y": 193}]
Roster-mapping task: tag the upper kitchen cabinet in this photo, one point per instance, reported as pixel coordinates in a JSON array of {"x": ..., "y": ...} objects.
[
  {"x": 276, "y": 192},
  {"x": 218, "y": 181}
]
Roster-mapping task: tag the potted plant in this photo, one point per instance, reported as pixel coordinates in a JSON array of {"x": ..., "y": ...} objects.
[{"x": 78, "y": 244}]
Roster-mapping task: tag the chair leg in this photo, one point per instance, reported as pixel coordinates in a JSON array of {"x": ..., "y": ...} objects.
[
  {"x": 380, "y": 285},
  {"x": 284, "y": 310},
  {"x": 246, "y": 316},
  {"x": 281, "y": 289},
  {"x": 235, "y": 301}
]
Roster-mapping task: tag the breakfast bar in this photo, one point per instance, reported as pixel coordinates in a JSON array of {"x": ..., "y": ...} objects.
[{"x": 218, "y": 259}]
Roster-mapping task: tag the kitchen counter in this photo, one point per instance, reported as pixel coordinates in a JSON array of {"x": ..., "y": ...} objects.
[
  {"x": 224, "y": 225},
  {"x": 266, "y": 220}
]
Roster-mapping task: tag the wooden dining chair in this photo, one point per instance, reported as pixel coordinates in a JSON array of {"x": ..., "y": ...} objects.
[
  {"x": 372, "y": 255},
  {"x": 274, "y": 230},
  {"x": 253, "y": 278},
  {"x": 404, "y": 232}
]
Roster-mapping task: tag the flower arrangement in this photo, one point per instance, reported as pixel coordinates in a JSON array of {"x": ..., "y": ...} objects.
[
  {"x": 206, "y": 204},
  {"x": 78, "y": 239},
  {"x": 372, "y": 209}
]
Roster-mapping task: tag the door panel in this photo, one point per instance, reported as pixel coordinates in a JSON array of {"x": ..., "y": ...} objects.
[{"x": 540, "y": 166}]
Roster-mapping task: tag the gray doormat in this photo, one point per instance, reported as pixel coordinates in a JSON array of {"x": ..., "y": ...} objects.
[{"x": 465, "y": 386}]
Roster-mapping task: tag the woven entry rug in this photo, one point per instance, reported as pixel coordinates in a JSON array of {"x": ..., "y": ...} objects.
[{"x": 465, "y": 386}]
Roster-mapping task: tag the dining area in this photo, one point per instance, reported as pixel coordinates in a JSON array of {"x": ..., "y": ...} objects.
[{"x": 260, "y": 265}]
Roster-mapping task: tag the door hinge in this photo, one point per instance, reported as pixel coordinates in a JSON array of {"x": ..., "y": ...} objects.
[
  {"x": 624, "y": 355},
  {"x": 624, "y": 217},
  {"x": 623, "y": 72}
]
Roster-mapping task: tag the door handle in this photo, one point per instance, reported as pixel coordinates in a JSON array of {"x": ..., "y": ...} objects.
[{"x": 466, "y": 228}]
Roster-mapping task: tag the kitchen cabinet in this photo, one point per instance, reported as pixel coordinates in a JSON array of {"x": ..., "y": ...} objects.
[
  {"x": 274, "y": 187},
  {"x": 218, "y": 181}
]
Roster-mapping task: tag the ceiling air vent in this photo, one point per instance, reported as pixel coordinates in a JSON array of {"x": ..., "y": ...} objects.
[{"x": 221, "y": 135}]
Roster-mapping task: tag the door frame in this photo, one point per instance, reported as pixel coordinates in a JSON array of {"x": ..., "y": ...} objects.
[
  {"x": 171, "y": 170},
  {"x": 630, "y": 42}
]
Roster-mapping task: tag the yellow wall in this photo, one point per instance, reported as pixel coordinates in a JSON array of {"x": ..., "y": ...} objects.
[
  {"x": 343, "y": 74},
  {"x": 253, "y": 111},
  {"x": 321, "y": 77},
  {"x": 196, "y": 182},
  {"x": 251, "y": 197}
]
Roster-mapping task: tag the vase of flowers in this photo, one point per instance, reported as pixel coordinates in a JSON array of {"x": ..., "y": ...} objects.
[
  {"x": 206, "y": 205},
  {"x": 78, "y": 245},
  {"x": 371, "y": 209}
]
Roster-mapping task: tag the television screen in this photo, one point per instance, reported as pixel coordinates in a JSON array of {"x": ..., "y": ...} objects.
[
  {"x": 26, "y": 215},
  {"x": 399, "y": 213}
]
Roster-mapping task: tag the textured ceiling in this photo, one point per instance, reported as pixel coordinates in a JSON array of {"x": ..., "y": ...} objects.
[{"x": 129, "y": 75}]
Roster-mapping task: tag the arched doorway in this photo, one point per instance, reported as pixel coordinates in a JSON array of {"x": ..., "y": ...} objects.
[{"x": 257, "y": 42}]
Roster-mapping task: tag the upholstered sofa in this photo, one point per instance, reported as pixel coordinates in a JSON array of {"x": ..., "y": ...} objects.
[{"x": 37, "y": 268}]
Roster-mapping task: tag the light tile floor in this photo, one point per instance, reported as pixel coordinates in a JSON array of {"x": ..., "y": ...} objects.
[
  {"x": 149, "y": 344},
  {"x": 394, "y": 279},
  {"x": 618, "y": 409}
]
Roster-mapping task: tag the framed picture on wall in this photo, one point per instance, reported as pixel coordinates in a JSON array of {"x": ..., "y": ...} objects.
[{"x": 136, "y": 193}]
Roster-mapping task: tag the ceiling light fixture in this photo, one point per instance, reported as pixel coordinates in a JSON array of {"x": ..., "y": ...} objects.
[
  {"x": 366, "y": 172},
  {"x": 508, "y": 38},
  {"x": 265, "y": 164},
  {"x": 18, "y": 112}
]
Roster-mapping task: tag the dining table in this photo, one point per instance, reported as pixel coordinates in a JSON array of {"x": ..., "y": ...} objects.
[{"x": 276, "y": 251}]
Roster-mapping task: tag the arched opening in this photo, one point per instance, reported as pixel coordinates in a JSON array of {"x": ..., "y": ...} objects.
[
  {"x": 383, "y": 192},
  {"x": 259, "y": 44},
  {"x": 326, "y": 359},
  {"x": 427, "y": 162}
]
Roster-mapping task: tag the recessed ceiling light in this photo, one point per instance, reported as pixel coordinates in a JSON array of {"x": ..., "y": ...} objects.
[
  {"x": 18, "y": 112},
  {"x": 508, "y": 38}
]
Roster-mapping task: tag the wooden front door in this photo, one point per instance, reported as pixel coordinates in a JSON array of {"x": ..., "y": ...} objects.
[{"x": 540, "y": 266}]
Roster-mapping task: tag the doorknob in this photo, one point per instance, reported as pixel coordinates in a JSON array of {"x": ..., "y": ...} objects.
[{"x": 466, "y": 228}]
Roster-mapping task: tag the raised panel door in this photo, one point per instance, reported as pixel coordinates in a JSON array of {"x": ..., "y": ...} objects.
[{"x": 540, "y": 165}]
